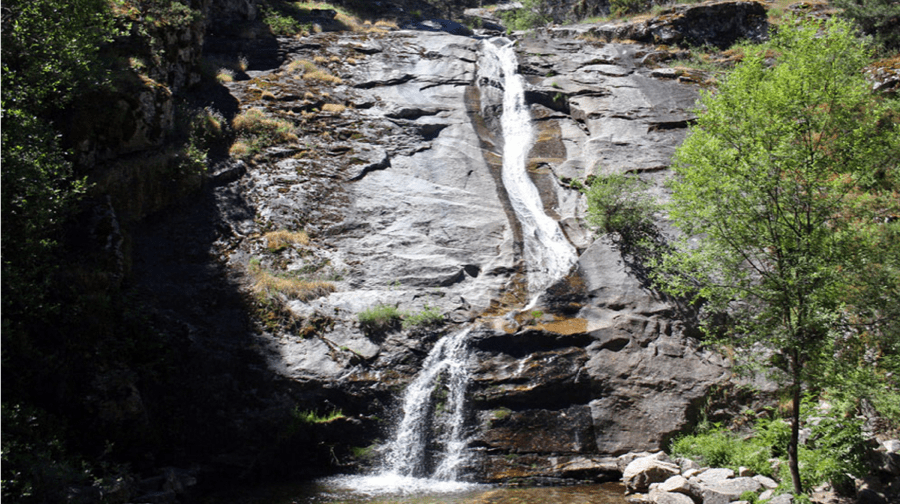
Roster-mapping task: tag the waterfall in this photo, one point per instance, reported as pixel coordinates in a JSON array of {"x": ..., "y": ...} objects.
[
  {"x": 548, "y": 254},
  {"x": 548, "y": 257},
  {"x": 408, "y": 451}
]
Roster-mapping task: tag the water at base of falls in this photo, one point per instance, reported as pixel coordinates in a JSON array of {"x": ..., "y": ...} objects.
[{"x": 406, "y": 465}]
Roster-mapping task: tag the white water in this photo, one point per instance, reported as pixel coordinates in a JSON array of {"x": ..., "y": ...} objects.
[
  {"x": 548, "y": 254},
  {"x": 548, "y": 257},
  {"x": 407, "y": 457},
  {"x": 405, "y": 471}
]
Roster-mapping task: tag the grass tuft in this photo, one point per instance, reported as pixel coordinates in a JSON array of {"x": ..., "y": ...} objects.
[
  {"x": 266, "y": 283},
  {"x": 281, "y": 239}
]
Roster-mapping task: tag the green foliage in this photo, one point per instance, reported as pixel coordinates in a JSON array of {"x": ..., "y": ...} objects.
[
  {"x": 430, "y": 316},
  {"x": 533, "y": 14},
  {"x": 49, "y": 51},
  {"x": 879, "y": 18},
  {"x": 627, "y": 7},
  {"x": 777, "y": 192},
  {"x": 379, "y": 318},
  {"x": 618, "y": 204},
  {"x": 718, "y": 447},
  {"x": 284, "y": 25},
  {"x": 835, "y": 448},
  {"x": 50, "y": 48},
  {"x": 312, "y": 417},
  {"x": 36, "y": 466}
]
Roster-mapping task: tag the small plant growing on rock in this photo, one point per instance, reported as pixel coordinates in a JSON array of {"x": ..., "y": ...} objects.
[
  {"x": 257, "y": 130},
  {"x": 380, "y": 318},
  {"x": 429, "y": 317},
  {"x": 281, "y": 239}
]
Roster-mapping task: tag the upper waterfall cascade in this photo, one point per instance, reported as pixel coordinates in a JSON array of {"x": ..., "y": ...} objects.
[{"x": 548, "y": 254}]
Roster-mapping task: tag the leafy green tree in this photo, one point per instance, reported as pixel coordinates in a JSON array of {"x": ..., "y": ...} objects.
[
  {"x": 879, "y": 18},
  {"x": 779, "y": 190},
  {"x": 50, "y": 49}
]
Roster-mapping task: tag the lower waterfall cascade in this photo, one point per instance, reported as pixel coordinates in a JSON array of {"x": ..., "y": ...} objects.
[{"x": 409, "y": 467}]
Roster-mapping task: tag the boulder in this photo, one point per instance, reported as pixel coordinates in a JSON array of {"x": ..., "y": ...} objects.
[
  {"x": 662, "y": 497},
  {"x": 641, "y": 472},
  {"x": 766, "y": 482},
  {"x": 714, "y": 476},
  {"x": 679, "y": 484}
]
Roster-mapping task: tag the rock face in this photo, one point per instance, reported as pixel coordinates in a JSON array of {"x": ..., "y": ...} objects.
[
  {"x": 719, "y": 23},
  {"x": 396, "y": 178}
]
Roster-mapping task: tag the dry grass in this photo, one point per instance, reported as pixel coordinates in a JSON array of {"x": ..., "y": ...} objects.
[
  {"x": 239, "y": 149},
  {"x": 310, "y": 71},
  {"x": 301, "y": 65},
  {"x": 225, "y": 75},
  {"x": 266, "y": 283},
  {"x": 336, "y": 108},
  {"x": 321, "y": 60},
  {"x": 277, "y": 240},
  {"x": 387, "y": 24},
  {"x": 255, "y": 122},
  {"x": 322, "y": 75}
]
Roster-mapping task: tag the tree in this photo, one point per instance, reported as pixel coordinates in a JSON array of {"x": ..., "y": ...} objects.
[
  {"x": 879, "y": 18},
  {"x": 50, "y": 49},
  {"x": 779, "y": 191}
]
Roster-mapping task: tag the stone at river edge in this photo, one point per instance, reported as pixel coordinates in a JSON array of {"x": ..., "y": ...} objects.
[{"x": 641, "y": 472}]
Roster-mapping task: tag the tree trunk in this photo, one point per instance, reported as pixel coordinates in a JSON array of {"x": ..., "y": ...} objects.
[{"x": 793, "y": 452}]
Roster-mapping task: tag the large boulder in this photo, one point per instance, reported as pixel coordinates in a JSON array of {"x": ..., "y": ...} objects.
[{"x": 641, "y": 472}]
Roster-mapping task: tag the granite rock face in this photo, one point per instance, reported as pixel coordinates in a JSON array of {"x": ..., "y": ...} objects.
[{"x": 395, "y": 176}]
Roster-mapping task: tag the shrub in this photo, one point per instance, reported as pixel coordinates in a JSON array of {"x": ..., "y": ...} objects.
[
  {"x": 257, "y": 131},
  {"x": 533, "y": 14},
  {"x": 626, "y": 7},
  {"x": 879, "y": 18},
  {"x": 720, "y": 448}
]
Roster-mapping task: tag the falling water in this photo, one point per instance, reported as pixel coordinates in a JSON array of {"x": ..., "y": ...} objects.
[
  {"x": 548, "y": 257},
  {"x": 408, "y": 455},
  {"x": 548, "y": 254}
]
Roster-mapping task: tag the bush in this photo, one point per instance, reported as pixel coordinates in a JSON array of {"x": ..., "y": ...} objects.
[
  {"x": 618, "y": 204},
  {"x": 533, "y": 14},
  {"x": 626, "y": 7},
  {"x": 257, "y": 131},
  {"x": 834, "y": 451}
]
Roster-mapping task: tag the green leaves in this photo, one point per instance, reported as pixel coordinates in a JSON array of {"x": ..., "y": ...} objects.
[{"x": 777, "y": 192}]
